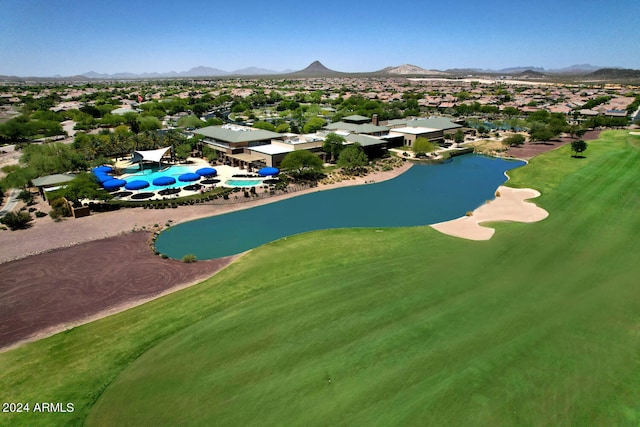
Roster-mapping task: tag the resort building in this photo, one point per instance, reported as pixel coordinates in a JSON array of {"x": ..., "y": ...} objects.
[
  {"x": 359, "y": 125},
  {"x": 248, "y": 147},
  {"x": 409, "y": 134},
  {"x": 236, "y": 144},
  {"x": 432, "y": 128}
]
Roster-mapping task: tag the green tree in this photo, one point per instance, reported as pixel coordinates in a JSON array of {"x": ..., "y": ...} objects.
[
  {"x": 459, "y": 136},
  {"x": 183, "y": 151},
  {"x": 302, "y": 164},
  {"x": 558, "y": 124},
  {"x": 314, "y": 124},
  {"x": 540, "y": 132},
  {"x": 511, "y": 111},
  {"x": 421, "y": 146},
  {"x": 353, "y": 159},
  {"x": 514, "y": 140},
  {"x": 578, "y": 147},
  {"x": 260, "y": 124},
  {"x": 209, "y": 153},
  {"x": 149, "y": 123},
  {"x": 333, "y": 144},
  {"x": 214, "y": 121},
  {"x": 190, "y": 121},
  {"x": 283, "y": 128},
  {"x": 19, "y": 177},
  {"x": 84, "y": 186}
]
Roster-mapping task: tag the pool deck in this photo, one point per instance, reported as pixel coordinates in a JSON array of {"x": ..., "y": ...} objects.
[{"x": 224, "y": 173}]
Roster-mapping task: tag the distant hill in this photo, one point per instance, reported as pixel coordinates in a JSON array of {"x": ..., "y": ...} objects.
[
  {"x": 616, "y": 73},
  {"x": 576, "y": 69},
  {"x": 193, "y": 72},
  {"x": 530, "y": 74},
  {"x": 200, "y": 71},
  {"x": 255, "y": 71},
  {"x": 515, "y": 70},
  {"x": 408, "y": 69},
  {"x": 316, "y": 69}
]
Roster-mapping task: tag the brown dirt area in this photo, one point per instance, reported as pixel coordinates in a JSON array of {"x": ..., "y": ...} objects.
[
  {"x": 53, "y": 291},
  {"x": 529, "y": 150}
]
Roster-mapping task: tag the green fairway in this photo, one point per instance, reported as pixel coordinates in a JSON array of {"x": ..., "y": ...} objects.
[{"x": 538, "y": 326}]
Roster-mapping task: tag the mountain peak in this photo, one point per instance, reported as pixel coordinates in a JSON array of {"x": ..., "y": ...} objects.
[
  {"x": 316, "y": 68},
  {"x": 409, "y": 69}
]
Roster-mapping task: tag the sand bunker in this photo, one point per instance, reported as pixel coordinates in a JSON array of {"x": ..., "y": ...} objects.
[{"x": 510, "y": 206}]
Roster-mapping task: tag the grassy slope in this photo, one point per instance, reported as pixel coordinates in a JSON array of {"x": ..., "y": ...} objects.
[{"x": 539, "y": 325}]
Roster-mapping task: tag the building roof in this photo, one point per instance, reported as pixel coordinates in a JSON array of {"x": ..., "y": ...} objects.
[
  {"x": 415, "y": 130},
  {"x": 356, "y": 118},
  {"x": 364, "y": 140},
  {"x": 231, "y": 134},
  {"x": 356, "y": 128},
  {"x": 50, "y": 180},
  {"x": 271, "y": 149},
  {"x": 438, "y": 123}
]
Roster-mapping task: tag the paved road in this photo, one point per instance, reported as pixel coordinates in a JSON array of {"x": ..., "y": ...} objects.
[{"x": 10, "y": 203}]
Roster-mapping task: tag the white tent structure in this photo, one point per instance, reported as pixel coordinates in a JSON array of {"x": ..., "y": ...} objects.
[{"x": 149, "y": 155}]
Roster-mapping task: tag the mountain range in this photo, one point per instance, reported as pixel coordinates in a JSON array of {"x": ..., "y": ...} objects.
[
  {"x": 200, "y": 71},
  {"x": 317, "y": 69}
]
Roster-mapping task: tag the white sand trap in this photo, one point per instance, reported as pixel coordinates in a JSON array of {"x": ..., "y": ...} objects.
[
  {"x": 634, "y": 133},
  {"x": 510, "y": 206}
]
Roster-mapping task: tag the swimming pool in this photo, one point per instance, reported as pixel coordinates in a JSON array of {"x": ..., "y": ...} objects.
[
  {"x": 242, "y": 182},
  {"x": 149, "y": 174},
  {"x": 425, "y": 194}
]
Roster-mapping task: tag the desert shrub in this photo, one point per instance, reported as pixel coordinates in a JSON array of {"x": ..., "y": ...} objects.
[
  {"x": 59, "y": 208},
  {"x": 25, "y": 196},
  {"x": 189, "y": 258},
  {"x": 40, "y": 214},
  {"x": 16, "y": 220}
]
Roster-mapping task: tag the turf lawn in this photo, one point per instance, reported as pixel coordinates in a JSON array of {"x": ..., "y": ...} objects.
[{"x": 538, "y": 326}]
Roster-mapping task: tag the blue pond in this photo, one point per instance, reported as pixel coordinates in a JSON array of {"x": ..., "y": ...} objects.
[{"x": 425, "y": 194}]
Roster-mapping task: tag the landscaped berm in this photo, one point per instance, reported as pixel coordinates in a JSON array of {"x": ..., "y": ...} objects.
[{"x": 538, "y": 326}]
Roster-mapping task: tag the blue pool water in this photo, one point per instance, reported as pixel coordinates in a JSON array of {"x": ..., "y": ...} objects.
[
  {"x": 242, "y": 182},
  {"x": 149, "y": 174},
  {"x": 425, "y": 194}
]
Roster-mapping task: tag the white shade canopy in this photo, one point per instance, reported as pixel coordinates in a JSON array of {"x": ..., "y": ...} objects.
[{"x": 149, "y": 155}]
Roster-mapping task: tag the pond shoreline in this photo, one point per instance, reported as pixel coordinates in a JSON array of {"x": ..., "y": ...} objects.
[
  {"x": 426, "y": 194},
  {"x": 46, "y": 235}
]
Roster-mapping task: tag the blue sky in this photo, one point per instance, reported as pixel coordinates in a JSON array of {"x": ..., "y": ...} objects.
[{"x": 65, "y": 37}]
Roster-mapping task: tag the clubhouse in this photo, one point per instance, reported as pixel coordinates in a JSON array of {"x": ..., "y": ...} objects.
[{"x": 247, "y": 147}]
